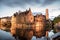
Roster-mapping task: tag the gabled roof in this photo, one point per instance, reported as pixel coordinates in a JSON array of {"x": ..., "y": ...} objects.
[
  {"x": 22, "y": 13},
  {"x": 40, "y": 15}
]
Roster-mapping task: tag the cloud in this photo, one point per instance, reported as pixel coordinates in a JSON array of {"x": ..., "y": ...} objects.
[
  {"x": 48, "y": 2},
  {"x": 18, "y": 2},
  {"x": 8, "y": 7},
  {"x": 24, "y": 3}
]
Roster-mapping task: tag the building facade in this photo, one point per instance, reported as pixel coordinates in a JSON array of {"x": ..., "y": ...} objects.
[
  {"x": 4, "y": 22},
  {"x": 25, "y": 20},
  {"x": 21, "y": 20}
]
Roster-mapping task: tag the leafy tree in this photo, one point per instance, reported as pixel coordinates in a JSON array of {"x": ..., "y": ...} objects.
[{"x": 56, "y": 20}]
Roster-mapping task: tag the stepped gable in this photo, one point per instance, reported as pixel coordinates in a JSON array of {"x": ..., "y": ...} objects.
[
  {"x": 15, "y": 14},
  {"x": 40, "y": 15},
  {"x": 24, "y": 13}
]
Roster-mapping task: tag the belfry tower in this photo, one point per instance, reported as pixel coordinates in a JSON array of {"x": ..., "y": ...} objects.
[{"x": 47, "y": 14}]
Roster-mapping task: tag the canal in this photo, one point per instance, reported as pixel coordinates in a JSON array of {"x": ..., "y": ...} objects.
[{"x": 6, "y": 35}]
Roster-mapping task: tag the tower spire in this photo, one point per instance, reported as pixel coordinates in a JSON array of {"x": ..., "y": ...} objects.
[{"x": 47, "y": 14}]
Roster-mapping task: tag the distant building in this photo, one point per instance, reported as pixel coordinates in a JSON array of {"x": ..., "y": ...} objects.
[{"x": 3, "y": 21}]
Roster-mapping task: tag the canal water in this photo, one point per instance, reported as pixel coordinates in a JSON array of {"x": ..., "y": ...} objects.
[{"x": 6, "y": 35}]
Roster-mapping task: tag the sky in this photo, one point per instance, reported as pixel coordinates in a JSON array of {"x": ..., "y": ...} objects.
[{"x": 9, "y": 7}]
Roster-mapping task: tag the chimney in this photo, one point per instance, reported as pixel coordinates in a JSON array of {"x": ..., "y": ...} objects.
[{"x": 47, "y": 14}]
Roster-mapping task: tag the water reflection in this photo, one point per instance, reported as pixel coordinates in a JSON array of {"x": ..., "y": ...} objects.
[
  {"x": 6, "y": 35},
  {"x": 33, "y": 38}
]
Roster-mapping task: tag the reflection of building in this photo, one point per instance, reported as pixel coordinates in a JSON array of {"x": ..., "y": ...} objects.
[
  {"x": 24, "y": 20},
  {"x": 27, "y": 20},
  {"x": 40, "y": 21}
]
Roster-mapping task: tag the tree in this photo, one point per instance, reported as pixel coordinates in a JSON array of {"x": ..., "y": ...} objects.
[{"x": 56, "y": 20}]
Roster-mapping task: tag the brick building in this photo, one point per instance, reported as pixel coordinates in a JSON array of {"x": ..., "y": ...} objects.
[
  {"x": 25, "y": 20},
  {"x": 4, "y": 21},
  {"x": 22, "y": 20}
]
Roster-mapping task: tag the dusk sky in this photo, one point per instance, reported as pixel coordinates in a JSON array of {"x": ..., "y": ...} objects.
[{"x": 9, "y": 7}]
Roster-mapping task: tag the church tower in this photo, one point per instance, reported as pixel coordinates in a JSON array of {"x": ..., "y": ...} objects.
[{"x": 47, "y": 14}]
